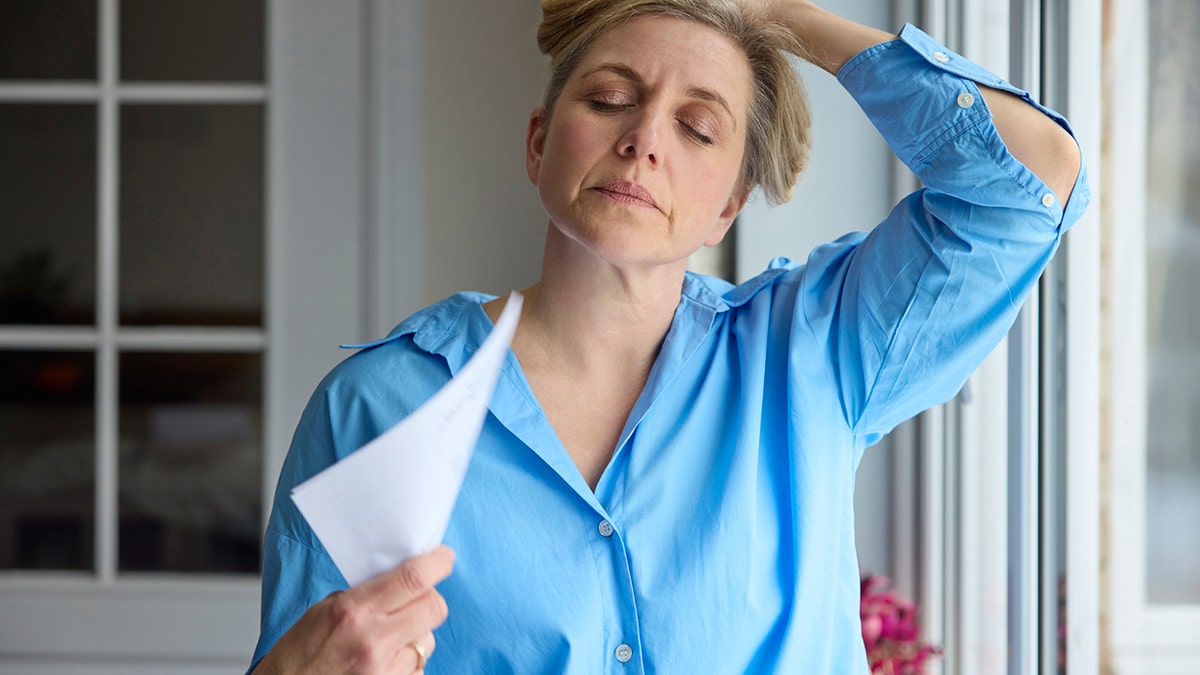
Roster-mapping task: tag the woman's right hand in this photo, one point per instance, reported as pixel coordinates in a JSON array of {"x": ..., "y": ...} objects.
[
  {"x": 384, "y": 625},
  {"x": 826, "y": 39}
]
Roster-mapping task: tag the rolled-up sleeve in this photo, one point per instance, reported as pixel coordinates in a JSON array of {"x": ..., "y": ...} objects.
[{"x": 908, "y": 311}]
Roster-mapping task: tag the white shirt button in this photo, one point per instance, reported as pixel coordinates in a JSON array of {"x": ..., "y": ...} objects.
[
  {"x": 606, "y": 528},
  {"x": 624, "y": 653},
  {"x": 965, "y": 100},
  {"x": 940, "y": 57},
  {"x": 1047, "y": 199}
]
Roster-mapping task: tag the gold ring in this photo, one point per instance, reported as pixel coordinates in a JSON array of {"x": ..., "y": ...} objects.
[{"x": 420, "y": 650}]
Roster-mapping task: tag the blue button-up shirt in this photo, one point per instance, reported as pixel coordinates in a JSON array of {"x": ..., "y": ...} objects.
[{"x": 720, "y": 538}]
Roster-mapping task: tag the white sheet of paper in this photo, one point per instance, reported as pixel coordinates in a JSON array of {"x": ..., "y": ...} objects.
[{"x": 391, "y": 500}]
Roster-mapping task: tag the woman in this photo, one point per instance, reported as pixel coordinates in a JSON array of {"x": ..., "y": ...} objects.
[{"x": 665, "y": 479}]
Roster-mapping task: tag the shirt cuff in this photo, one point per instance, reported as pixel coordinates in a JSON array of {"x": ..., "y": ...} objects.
[
  {"x": 920, "y": 95},
  {"x": 924, "y": 99}
]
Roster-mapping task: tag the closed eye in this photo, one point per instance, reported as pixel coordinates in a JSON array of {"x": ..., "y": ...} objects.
[
  {"x": 605, "y": 106},
  {"x": 696, "y": 134},
  {"x": 696, "y": 125}
]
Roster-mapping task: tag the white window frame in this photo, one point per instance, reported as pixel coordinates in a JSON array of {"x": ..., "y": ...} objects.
[{"x": 1142, "y": 638}]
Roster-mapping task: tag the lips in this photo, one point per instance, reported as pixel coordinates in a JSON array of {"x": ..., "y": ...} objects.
[{"x": 627, "y": 192}]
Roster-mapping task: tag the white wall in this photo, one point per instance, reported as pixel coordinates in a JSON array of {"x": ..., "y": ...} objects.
[{"x": 483, "y": 75}]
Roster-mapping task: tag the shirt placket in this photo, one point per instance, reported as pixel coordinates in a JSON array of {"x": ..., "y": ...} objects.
[{"x": 622, "y": 651}]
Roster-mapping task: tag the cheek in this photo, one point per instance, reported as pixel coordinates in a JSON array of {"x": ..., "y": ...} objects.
[
  {"x": 572, "y": 141},
  {"x": 712, "y": 182},
  {"x": 564, "y": 165}
]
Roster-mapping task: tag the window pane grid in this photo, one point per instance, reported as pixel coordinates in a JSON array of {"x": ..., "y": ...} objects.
[{"x": 107, "y": 340}]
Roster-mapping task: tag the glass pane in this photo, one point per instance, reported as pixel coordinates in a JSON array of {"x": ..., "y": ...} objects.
[
  {"x": 181, "y": 40},
  {"x": 191, "y": 214},
  {"x": 48, "y": 39},
  {"x": 47, "y": 460},
  {"x": 190, "y": 462},
  {"x": 48, "y": 211},
  {"x": 1173, "y": 316}
]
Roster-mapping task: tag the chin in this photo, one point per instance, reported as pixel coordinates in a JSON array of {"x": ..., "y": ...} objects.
[{"x": 620, "y": 241}]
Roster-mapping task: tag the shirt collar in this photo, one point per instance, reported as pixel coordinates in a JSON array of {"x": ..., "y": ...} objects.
[{"x": 456, "y": 326}]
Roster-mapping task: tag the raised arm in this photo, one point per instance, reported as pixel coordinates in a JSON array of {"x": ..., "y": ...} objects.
[
  {"x": 1033, "y": 138},
  {"x": 905, "y": 312}
]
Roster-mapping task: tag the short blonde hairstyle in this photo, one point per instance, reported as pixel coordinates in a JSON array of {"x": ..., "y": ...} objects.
[{"x": 778, "y": 135}]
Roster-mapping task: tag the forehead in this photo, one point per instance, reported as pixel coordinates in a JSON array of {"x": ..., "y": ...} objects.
[{"x": 674, "y": 52}]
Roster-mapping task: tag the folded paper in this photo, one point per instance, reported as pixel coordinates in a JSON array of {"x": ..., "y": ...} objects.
[{"x": 391, "y": 500}]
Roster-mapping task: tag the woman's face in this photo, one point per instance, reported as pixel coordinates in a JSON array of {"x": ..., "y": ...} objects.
[{"x": 640, "y": 160}]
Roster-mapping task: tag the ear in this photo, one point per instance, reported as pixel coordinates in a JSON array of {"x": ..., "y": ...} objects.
[
  {"x": 732, "y": 208},
  {"x": 535, "y": 143}
]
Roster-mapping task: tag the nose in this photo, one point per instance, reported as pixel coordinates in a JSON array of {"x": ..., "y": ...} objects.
[{"x": 641, "y": 139}]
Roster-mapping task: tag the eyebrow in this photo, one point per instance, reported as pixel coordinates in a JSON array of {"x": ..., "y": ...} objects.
[{"x": 699, "y": 93}]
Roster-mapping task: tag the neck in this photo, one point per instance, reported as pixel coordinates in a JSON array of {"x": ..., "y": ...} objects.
[{"x": 587, "y": 314}]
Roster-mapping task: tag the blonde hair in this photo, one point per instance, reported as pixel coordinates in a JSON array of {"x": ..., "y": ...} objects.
[{"x": 778, "y": 133}]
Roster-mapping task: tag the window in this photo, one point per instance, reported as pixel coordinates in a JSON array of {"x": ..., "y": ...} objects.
[
  {"x": 132, "y": 292},
  {"x": 1152, "y": 329},
  {"x": 1173, "y": 319}
]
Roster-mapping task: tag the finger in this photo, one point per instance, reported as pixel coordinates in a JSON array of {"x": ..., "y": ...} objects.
[
  {"x": 423, "y": 614},
  {"x": 397, "y": 587},
  {"x": 419, "y": 618}
]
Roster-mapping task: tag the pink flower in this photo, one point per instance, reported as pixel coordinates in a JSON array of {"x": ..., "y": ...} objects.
[{"x": 891, "y": 632}]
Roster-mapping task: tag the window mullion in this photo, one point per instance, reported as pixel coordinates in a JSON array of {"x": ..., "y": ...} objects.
[
  {"x": 192, "y": 92},
  {"x": 106, "y": 361},
  {"x": 932, "y": 507},
  {"x": 1023, "y": 440},
  {"x": 1052, "y": 508},
  {"x": 44, "y": 338},
  {"x": 1078, "y": 83},
  {"x": 38, "y": 92},
  {"x": 1051, "y": 526},
  {"x": 1024, "y": 435}
]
